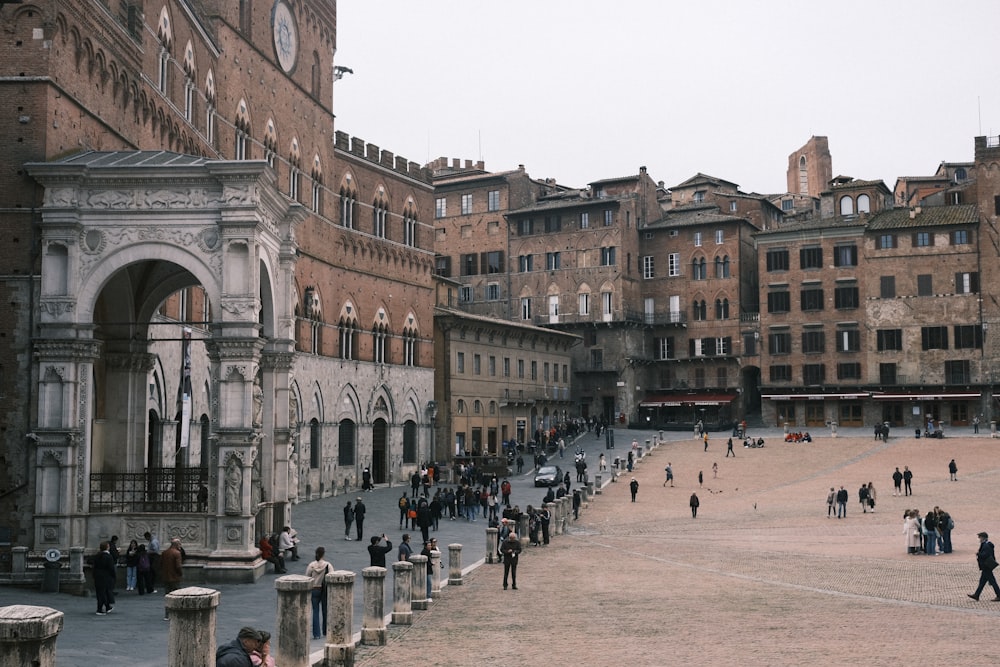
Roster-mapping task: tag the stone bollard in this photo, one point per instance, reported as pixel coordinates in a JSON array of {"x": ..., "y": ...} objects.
[
  {"x": 402, "y": 575},
  {"x": 597, "y": 484},
  {"x": 435, "y": 570},
  {"x": 28, "y": 635},
  {"x": 648, "y": 448},
  {"x": 418, "y": 596},
  {"x": 491, "y": 545},
  {"x": 373, "y": 632},
  {"x": 76, "y": 563},
  {"x": 553, "y": 521},
  {"x": 292, "y": 625},
  {"x": 338, "y": 650},
  {"x": 191, "y": 637},
  {"x": 522, "y": 530},
  {"x": 454, "y": 564},
  {"x": 588, "y": 492}
]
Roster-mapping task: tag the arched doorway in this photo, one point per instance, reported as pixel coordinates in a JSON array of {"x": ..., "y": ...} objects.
[{"x": 380, "y": 448}]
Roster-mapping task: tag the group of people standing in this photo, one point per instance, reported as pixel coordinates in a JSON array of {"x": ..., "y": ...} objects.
[{"x": 930, "y": 534}]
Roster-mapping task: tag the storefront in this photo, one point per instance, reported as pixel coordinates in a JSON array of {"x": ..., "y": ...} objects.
[
  {"x": 915, "y": 409},
  {"x": 683, "y": 411},
  {"x": 813, "y": 410}
]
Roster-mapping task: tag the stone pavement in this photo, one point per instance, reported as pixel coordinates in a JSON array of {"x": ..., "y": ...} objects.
[{"x": 761, "y": 575}]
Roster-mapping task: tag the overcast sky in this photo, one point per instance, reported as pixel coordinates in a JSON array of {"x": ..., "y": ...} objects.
[{"x": 580, "y": 90}]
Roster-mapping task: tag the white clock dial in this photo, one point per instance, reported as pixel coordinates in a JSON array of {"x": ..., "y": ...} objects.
[{"x": 286, "y": 36}]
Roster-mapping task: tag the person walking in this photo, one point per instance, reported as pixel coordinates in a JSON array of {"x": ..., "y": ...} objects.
[
  {"x": 715, "y": 469},
  {"x": 104, "y": 580},
  {"x": 831, "y": 498},
  {"x": 842, "y": 497},
  {"x": 729, "y": 449},
  {"x": 359, "y": 517},
  {"x": 975, "y": 424},
  {"x": 694, "y": 503},
  {"x": 317, "y": 571},
  {"x": 348, "y": 520},
  {"x": 704, "y": 437},
  {"x": 670, "y": 475},
  {"x": 907, "y": 481},
  {"x": 511, "y": 550},
  {"x": 863, "y": 498},
  {"x": 377, "y": 552},
  {"x": 987, "y": 561},
  {"x": 701, "y": 478},
  {"x": 953, "y": 470},
  {"x": 897, "y": 482},
  {"x": 633, "y": 487},
  {"x": 171, "y": 564}
]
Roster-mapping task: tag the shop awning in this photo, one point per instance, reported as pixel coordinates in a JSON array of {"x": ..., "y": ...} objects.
[
  {"x": 678, "y": 400},
  {"x": 814, "y": 397},
  {"x": 943, "y": 396}
]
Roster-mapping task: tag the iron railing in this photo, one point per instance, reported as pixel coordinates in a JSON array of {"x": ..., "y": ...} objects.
[{"x": 172, "y": 490}]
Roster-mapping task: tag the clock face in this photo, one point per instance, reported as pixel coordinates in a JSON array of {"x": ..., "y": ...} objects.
[{"x": 286, "y": 36}]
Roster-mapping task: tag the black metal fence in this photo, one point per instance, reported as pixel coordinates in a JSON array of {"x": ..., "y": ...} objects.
[{"x": 154, "y": 490}]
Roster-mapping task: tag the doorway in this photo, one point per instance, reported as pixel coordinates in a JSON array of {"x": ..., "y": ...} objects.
[{"x": 380, "y": 462}]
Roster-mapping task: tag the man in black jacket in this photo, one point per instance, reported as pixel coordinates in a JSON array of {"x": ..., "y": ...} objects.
[
  {"x": 377, "y": 552},
  {"x": 359, "y": 517},
  {"x": 237, "y": 652},
  {"x": 986, "y": 558},
  {"x": 104, "y": 580}
]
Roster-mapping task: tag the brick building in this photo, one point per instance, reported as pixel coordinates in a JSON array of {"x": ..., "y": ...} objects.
[{"x": 207, "y": 284}]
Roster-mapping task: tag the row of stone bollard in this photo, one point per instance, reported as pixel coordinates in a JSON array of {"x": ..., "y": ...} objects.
[{"x": 28, "y": 634}]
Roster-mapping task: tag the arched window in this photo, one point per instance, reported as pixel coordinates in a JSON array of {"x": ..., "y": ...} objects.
[
  {"x": 460, "y": 407},
  {"x": 722, "y": 309},
  {"x": 345, "y": 443},
  {"x": 722, "y": 267},
  {"x": 846, "y": 205},
  {"x": 409, "y": 442},
  {"x": 315, "y": 444},
  {"x": 700, "y": 310},
  {"x": 864, "y": 204},
  {"x": 803, "y": 176}
]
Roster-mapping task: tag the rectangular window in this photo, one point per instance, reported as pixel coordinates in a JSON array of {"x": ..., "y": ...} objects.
[
  {"x": 889, "y": 339},
  {"x": 967, "y": 283},
  {"x": 720, "y": 236},
  {"x": 813, "y": 374},
  {"x": 460, "y": 362},
  {"x": 845, "y": 297},
  {"x": 934, "y": 338},
  {"x": 848, "y": 340},
  {"x": 534, "y": 370},
  {"x": 811, "y": 258},
  {"x": 779, "y": 343},
  {"x": 749, "y": 345},
  {"x": 584, "y": 301},
  {"x": 849, "y": 371},
  {"x": 584, "y": 221},
  {"x": 923, "y": 240},
  {"x": 845, "y": 255},
  {"x": 664, "y": 347},
  {"x": 813, "y": 342},
  {"x": 442, "y": 266},
  {"x": 525, "y": 263},
  {"x": 506, "y": 367},
  {"x": 525, "y": 227},
  {"x": 968, "y": 336},
  {"x": 887, "y": 373},
  {"x": 887, "y": 287},
  {"x": 960, "y": 237},
  {"x": 781, "y": 373},
  {"x": 609, "y": 217},
  {"x": 493, "y": 261},
  {"x": 465, "y": 294},
  {"x": 492, "y": 291},
  {"x": 787, "y": 204},
  {"x": 440, "y": 207},
  {"x": 886, "y": 241},
  {"x": 470, "y": 264},
  {"x": 466, "y": 204},
  {"x": 553, "y": 223},
  {"x": 925, "y": 285},
  {"x": 477, "y": 364},
  {"x": 812, "y": 299},
  {"x": 520, "y": 369},
  {"x": 607, "y": 303},
  {"x": 493, "y": 200},
  {"x": 697, "y": 239},
  {"x": 957, "y": 372},
  {"x": 526, "y": 308},
  {"x": 545, "y": 372},
  {"x": 596, "y": 360},
  {"x": 779, "y": 302},
  {"x": 674, "y": 264},
  {"x": 777, "y": 260},
  {"x": 607, "y": 256},
  {"x": 647, "y": 267},
  {"x": 552, "y": 261}
]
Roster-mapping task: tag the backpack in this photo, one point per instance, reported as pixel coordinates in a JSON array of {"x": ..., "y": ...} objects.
[
  {"x": 144, "y": 562},
  {"x": 403, "y": 503}
]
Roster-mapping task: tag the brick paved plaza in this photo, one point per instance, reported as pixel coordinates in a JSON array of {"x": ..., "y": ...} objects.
[{"x": 761, "y": 576}]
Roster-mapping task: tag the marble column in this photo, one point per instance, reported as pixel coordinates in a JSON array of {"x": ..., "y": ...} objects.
[
  {"x": 293, "y": 622},
  {"x": 402, "y": 575},
  {"x": 373, "y": 630},
  {"x": 435, "y": 570},
  {"x": 454, "y": 564},
  {"x": 191, "y": 638},
  {"x": 419, "y": 587},
  {"x": 491, "y": 545},
  {"x": 339, "y": 648}
]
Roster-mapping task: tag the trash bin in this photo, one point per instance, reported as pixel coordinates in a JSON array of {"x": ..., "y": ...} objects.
[
  {"x": 50, "y": 578},
  {"x": 916, "y": 432}
]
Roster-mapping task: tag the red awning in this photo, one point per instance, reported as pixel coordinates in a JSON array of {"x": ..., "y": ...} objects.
[
  {"x": 814, "y": 397},
  {"x": 677, "y": 400},
  {"x": 942, "y": 396}
]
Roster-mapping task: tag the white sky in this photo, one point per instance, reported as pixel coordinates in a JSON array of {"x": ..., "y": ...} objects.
[{"x": 580, "y": 90}]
